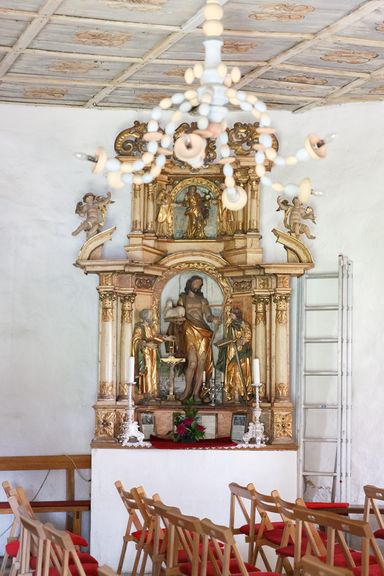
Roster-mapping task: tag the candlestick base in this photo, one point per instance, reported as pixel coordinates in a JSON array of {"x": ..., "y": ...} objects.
[{"x": 255, "y": 428}]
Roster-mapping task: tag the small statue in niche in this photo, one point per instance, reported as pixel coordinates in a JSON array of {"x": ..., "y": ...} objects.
[
  {"x": 295, "y": 212},
  {"x": 197, "y": 213},
  {"x": 164, "y": 215},
  {"x": 145, "y": 348},
  {"x": 235, "y": 353},
  {"x": 93, "y": 209}
]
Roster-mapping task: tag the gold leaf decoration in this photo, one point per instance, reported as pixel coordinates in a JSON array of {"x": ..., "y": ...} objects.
[
  {"x": 142, "y": 5},
  {"x": 349, "y": 56},
  {"x": 282, "y": 12},
  {"x": 102, "y": 38},
  {"x": 178, "y": 72}
]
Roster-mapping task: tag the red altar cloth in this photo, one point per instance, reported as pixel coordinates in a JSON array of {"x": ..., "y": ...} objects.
[{"x": 167, "y": 444}]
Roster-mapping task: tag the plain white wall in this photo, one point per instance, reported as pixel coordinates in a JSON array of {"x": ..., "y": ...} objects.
[{"x": 48, "y": 318}]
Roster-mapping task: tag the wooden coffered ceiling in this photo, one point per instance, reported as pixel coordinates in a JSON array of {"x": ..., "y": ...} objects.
[{"x": 130, "y": 53}]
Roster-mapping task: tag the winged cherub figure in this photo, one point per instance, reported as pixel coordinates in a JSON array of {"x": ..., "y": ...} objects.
[
  {"x": 294, "y": 213},
  {"x": 93, "y": 209}
]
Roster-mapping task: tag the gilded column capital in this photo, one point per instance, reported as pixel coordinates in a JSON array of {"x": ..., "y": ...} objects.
[
  {"x": 281, "y": 302},
  {"x": 127, "y": 302},
  {"x": 107, "y": 300},
  {"x": 261, "y": 303},
  {"x": 106, "y": 279}
]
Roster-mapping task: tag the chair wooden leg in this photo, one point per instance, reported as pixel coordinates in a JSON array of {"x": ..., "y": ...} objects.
[
  {"x": 264, "y": 558},
  {"x": 4, "y": 563},
  {"x": 122, "y": 557}
]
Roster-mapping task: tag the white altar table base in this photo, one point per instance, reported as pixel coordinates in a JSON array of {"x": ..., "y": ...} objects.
[{"x": 196, "y": 481}]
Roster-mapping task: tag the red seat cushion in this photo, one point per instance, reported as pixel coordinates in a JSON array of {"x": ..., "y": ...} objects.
[
  {"x": 233, "y": 568},
  {"x": 137, "y": 534},
  {"x": 182, "y": 556},
  {"x": 379, "y": 533},
  {"x": 245, "y": 529},
  {"x": 320, "y": 505},
  {"x": 89, "y": 569},
  {"x": 374, "y": 570},
  {"x": 83, "y": 557},
  {"x": 12, "y": 548},
  {"x": 77, "y": 539}
]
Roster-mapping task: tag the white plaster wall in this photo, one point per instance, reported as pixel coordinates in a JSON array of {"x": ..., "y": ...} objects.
[{"x": 48, "y": 317}]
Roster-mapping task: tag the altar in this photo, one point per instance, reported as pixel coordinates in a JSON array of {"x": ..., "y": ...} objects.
[{"x": 194, "y": 480}]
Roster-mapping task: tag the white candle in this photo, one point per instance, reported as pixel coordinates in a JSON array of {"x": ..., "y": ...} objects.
[
  {"x": 204, "y": 376},
  {"x": 213, "y": 373},
  {"x": 256, "y": 371},
  {"x": 131, "y": 369}
]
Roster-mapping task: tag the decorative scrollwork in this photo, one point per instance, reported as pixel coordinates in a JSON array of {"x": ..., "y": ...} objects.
[
  {"x": 105, "y": 422},
  {"x": 145, "y": 281},
  {"x": 282, "y": 425},
  {"x": 130, "y": 141}
]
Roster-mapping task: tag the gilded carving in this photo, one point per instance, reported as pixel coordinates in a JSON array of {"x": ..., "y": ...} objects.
[
  {"x": 282, "y": 425},
  {"x": 123, "y": 390},
  {"x": 127, "y": 301},
  {"x": 281, "y": 301},
  {"x": 106, "y": 390},
  {"x": 71, "y": 66},
  {"x": 261, "y": 303},
  {"x": 282, "y": 390},
  {"x": 283, "y": 281},
  {"x": 242, "y": 285},
  {"x": 45, "y": 92},
  {"x": 145, "y": 281},
  {"x": 107, "y": 300},
  {"x": 106, "y": 279},
  {"x": 238, "y": 46},
  {"x": 121, "y": 418},
  {"x": 262, "y": 283},
  {"x": 105, "y": 422},
  {"x": 130, "y": 141},
  {"x": 242, "y": 138},
  {"x": 303, "y": 79}
]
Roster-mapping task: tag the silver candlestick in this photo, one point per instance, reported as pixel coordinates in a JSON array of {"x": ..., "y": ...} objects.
[
  {"x": 256, "y": 428},
  {"x": 131, "y": 435}
]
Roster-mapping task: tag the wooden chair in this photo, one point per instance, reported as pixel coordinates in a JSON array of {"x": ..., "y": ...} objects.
[
  {"x": 64, "y": 556},
  {"x": 373, "y": 493},
  {"x": 338, "y": 552},
  {"x": 11, "y": 547},
  {"x": 135, "y": 524},
  {"x": 270, "y": 531},
  {"x": 243, "y": 499},
  {"x": 221, "y": 555},
  {"x": 313, "y": 567},
  {"x": 295, "y": 541}
]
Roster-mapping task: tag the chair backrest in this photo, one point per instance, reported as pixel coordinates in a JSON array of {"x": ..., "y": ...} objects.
[
  {"x": 243, "y": 498},
  {"x": 65, "y": 550},
  {"x": 32, "y": 538},
  {"x": 337, "y": 527},
  {"x": 130, "y": 504},
  {"x": 373, "y": 493},
  {"x": 184, "y": 536},
  {"x": 314, "y": 567},
  {"x": 266, "y": 505},
  {"x": 219, "y": 548}
]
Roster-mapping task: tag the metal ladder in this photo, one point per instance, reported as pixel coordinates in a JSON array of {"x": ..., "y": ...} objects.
[{"x": 323, "y": 378}]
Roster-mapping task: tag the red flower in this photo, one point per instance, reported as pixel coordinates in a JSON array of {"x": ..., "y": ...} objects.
[
  {"x": 200, "y": 428},
  {"x": 181, "y": 429},
  {"x": 188, "y": 421}
]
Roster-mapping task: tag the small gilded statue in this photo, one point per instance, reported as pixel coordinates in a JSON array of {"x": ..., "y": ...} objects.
[
  {"x": 295, "y": 212},
  {"x": 235, "y": 353},
  {"x": 93, "y": 209},
  {"x": 197, "y": 213}
]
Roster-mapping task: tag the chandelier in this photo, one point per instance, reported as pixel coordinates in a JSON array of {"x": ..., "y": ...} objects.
[{"x": 210, "y": 101}]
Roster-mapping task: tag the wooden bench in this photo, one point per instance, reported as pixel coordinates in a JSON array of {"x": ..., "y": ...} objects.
[{"x": 72, "y": 507}]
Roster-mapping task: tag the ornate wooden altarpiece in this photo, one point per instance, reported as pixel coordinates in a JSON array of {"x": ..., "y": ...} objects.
[{"x": 229, "y": 256}]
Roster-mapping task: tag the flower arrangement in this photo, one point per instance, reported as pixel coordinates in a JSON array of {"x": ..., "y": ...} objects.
[{"x": 188, "y": 428}]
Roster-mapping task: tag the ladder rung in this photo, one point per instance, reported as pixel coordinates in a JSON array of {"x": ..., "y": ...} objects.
[
  {"x": 320, "y": 307},
  {"x": 320, "y": 440},
  {"x": 320, "y": 406},
  {"x": 321, "y": 340},
  {"x": 312, "y": 275},
  {"x": 320, "y": 373},
  {"x": 332, "y": 474}
]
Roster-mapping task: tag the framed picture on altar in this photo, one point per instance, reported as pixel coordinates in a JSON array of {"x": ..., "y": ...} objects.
[
  {"x": 239, "y": 426},
  {"x": 209, "y": 421},
  {"x": 147, "y": 423}
]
